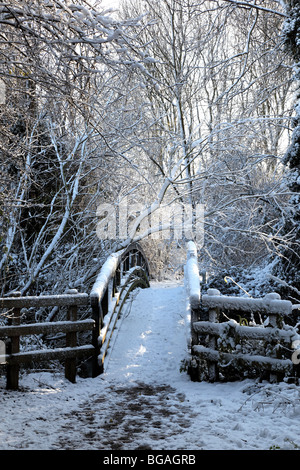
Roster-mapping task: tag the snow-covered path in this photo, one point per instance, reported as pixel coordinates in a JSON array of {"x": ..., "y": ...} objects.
[
  {"x": 151, "y": 341},
  {"x": 144, "y": 400}
]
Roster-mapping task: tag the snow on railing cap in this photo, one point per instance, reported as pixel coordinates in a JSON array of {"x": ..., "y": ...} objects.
[
  {"x": 275, "y": 304},
  {"x": 213, "y": 292},
  {"x": 107, "y": 271},
  {"x": 272, "y": 296},
  {"x": 193, "y": 277},
  {"x": 192, "y": 249},
  {"x": 271, "y": 303}
]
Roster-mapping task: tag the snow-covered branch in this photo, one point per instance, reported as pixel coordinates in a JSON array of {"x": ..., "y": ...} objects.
[{"x": 251, "y": 4}]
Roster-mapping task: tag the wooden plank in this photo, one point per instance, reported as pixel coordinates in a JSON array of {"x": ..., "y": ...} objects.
[
  {"x": 45, "y": 301},
  {"x": 265, "y": 305},
  {"x": 248, "y": 332},
  {"x": 48, "y": 354},
  {"x": 47, "y": 328},
  {"x": 260, "y": 362}
]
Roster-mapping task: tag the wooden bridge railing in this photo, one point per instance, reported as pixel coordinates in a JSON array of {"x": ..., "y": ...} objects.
[
  {"x": 12, "y": 333},
  {"x": 225, "y": 338},
  {"x": 121, "y": 273}
]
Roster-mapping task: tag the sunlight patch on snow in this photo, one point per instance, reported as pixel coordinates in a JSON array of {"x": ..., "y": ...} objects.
[
  {"x": 141, "y": 351},
  {"x": 144, "y": 334}
]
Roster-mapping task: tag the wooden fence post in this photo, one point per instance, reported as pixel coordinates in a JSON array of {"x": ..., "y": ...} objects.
[
  {"x": 71, "y": 341},
  {"x": 274, "y": 377},
  {"x": 194, "y": 318},
  {"x": 212, "y": 342},
  {"x": 105, "y": 303},
  {"x": 12, "y": 373}
]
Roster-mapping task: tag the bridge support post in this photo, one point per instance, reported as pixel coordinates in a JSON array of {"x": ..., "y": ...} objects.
[
  {"x": 97, "y": 316},
  {"x": 212, "y": 342}
]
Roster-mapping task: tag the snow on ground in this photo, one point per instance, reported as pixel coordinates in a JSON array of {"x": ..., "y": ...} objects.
[{"x": 144, "y": 400}]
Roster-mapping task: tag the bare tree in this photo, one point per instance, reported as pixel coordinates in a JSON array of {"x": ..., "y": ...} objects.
[
  {"x": 59, "y": 63},
  {"x": 220, "y": 95},
  {"x": 187, "y": 102}
]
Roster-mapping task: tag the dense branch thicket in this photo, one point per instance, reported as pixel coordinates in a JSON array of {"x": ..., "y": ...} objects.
[
  {"x": 165, "y": 101},
  {"x": 61, "y": 66},
  {"x": 288, "y": 268}
]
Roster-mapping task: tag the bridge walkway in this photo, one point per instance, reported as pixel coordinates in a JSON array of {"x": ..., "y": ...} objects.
[
  {"x": 150, "y": 342},
  {"x": 141, "y": 401}
]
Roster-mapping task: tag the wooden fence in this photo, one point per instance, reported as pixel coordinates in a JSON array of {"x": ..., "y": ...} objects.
[
  {"x": 227, "y": 340},
  {"x": 12, "y": 333},
  {"x": 121, "y": 273}
]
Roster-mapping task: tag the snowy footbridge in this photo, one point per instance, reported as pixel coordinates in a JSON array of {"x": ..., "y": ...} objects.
[
  {"x": 120, "y": 275},
  {"x": 217, "y": 344},
  {"x": 224, "y": 338}
]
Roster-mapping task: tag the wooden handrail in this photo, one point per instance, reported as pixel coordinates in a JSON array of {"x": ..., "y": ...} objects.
[
  {"x": 108, "y": 288},
  {"x": 45, "y": 301},
  {"x": 47, "y": 328}
]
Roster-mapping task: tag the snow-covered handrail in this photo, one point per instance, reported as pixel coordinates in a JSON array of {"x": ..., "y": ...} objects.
[
  {"x": 270, "y": 304},
  {"x": 124, "y": 259},
  {"x": 192, "y": 275},
  {"x": 107, "y": 271},
  {"x": 122, "y": 272},
  {"x": 193, "y": 289}
]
